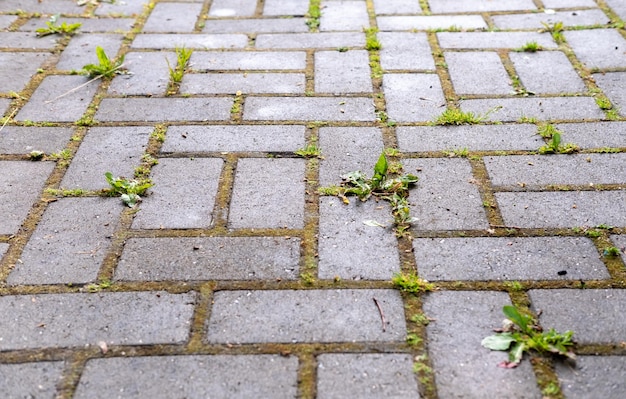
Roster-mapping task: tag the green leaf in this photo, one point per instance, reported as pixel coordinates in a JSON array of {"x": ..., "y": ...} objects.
[
  {"x": 517, "y": 352},
  {"x": 373, "y": 223},
  {"x": 102, "y": 56},
  {"x": 498, "y": 342},
  {"x": 380, "y": 169},
  {"x": 516, "y": 317}
]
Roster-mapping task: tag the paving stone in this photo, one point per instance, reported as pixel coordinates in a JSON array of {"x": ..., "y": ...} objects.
[
  {"x": 598, "y": 48},
  {"x": 234, "y": 138},
  {"x": 249, "y": 60},
  {"x": 265, "y": 25},
  {"x": 595, "y": 134},
  {"x": 79, "y": 320},
  {"x": 614, "y": 86},
  {"x": 23, "y": 140},
  {"x": 106, "y": 149},
  {"x": 173, "y": 17},
  {"x": 26, "y": 40},
  {"x": 310, "y": 40},
  {"x": 504, "y": 258},
  {"x": 30, "y": 380},
  {"x": 231, "y": 83},
  {"x": 405, "y": 50},
  {"x": 618, "y": 7},
  {"x": 424, "y": 22},
  {"x": 285, "y": 7},
  {"x": 366, "y": 375},
  {"x": 7, "y": 20},
  {"x": 403, "y": 105},
  {"x": 126, "y": 7},
  {"x": 82, "y": 50},
  {"x": 87, "y": 25},
  {"x": 444, "y": 198},
  {"x": 4, "y": 105},
  {"x": 351, "y": 250},
  {"x": 69, "y": 243},
  {"x": 268, "y": 187},
  {"x": 231, "y": 8},
  {"x": 547, "y": 72},
  {"x": 541, "y": 108},
  {"x": 160, "y": 41},
  {"x": 23, "y": 180},
  {"x": 620, "y": 242},
  {"x": 482, "y": 40},
  {"x": 164, "y": 109},
  {"x": 555, "y": 169},
  {"x": 342, "y": 72},
  {"x": 599, "y": 376},
  {"x": 18, "y": 68},
  {"x": 3, "y": 249},
  {"x": 461, "y": 319},
  {"x": 148, "y": 74},
  {"x": 209, "y": 258},
  {"x": 183, "y": 194},
  {"x": 293, "y": 316},
  {"x": 569, "y": 3},
  {"x": 563, "y": 209},
  {"x": 478, "y": 72},
  {"x": 572, "y": 309},
  {"x": 193, "y": 377},
  {"x": 309, "y": 108},
  {"x": 46, "y": 105},
  {"x": 534, "y": 20},
  {"x": 347, "y": 149},
  {"x": 47, "y": 7},
  {"x": 472, "y": 137},
  {"x": 397, "y": 7},
  {"x": 343, "y": 15},
  {"x": 453, "y": 6}
]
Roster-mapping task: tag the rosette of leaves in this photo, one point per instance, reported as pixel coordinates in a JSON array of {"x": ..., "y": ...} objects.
[{"x": 129, "y": 190}]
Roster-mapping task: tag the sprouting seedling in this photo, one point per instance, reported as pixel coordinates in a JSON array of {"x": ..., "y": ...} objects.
[
  {"x": 106, "y": 67},
  {"x": 520, "y": 334},
  {"x": 554, "y": 146},
  {"x": 182, "y": 59},
  {"x": 128, "y": 189},
  {"x": 310, "y": 151},
  {"x": 63, "y": 28}
]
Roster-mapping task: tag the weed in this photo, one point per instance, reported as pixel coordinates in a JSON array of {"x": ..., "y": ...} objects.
[
  {"x": 128, "y": 189},
  {"x": 159, "y": 135},
  {"x": 100, "y": 286},
  {"x": 413, "y": 339},
  {"x": 63, "y": 154},
  {"x": 611, "y": 251},
  {"x": 612, "y": 114},
  {"x": 307, "y": 278},
  {"x": 556, "y": 30},
  {"x": 604, "y": 103},
  {"x": 530, "y": 47},
  {"x": 76, "y": 192},
  {"x": 605, "y": 226},
  {"x": 454, "y": 116},
  {"x": 514, "y": 285},
  {"x": 371, "y": 41},
  {"x": 411, "y": 283},
  {"x": 593, "y": 233},
  {"x": 106, "y": 67},
  {"x": 52, "y": 27},
  {"x": 310, "y": 151},
  {"x": 460, "y": 152},
  {"x": 554, "y": 146},
  {"x": 330, "y": 190},
  {"x": 547, "y": 130},
  {"x": 392, "y": 152},
  {"x": 527, "y": 119},
  {"x": 420, "y": 319},
  {"x": 520, "y": 334},
  {"x": 420, "y": 365},
  {"x": 182, "y": 59},
  {"x": 342, "y": 49},
  {"x": 313, "y": 15},
  {"x": 36, "y": 155},
  {"x": 551, "y": 389},
  {"x": 395, "y": 168}
]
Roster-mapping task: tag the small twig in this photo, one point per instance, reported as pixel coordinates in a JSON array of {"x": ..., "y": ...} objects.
[
  {"x": 8, "y": 118},
  {"x": 81, "y": 86},
  {"x": 382, "y": 314}
]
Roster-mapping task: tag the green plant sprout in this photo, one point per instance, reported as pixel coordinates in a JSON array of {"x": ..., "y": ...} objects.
[
  {"x": 555, "y": 147},
  {"x": 128, "y": 189},
  {"x": 556, "y": 30},
  {"x": 411, "y": 283},
  {"x": 310, "y": 151},
  {"x": 52, "y": 27},
  {"x": 530, "y": 47},
  {"x": 182, "y": 59},
  {"x": 106, "y": 68},
  {"x": 454, "y": 116},
  {"x": 313, "y": 15},
  {"x": 371, "y": 41},
  {"x": 611, "y": 251},
  {"x": 520, "y": 334}
]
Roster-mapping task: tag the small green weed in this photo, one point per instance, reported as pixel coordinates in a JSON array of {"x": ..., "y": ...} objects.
[
  {"x": 611, "y": 251},
  {"x": 413, "y": 339},
  {"x": 551, "y": 389},
  {"x": 76, "y": 192},
  {"x": 371, "y": 41},
  {"x": 52, "y": 27},
  {"x": 530, "y": 47},
  {"x": 419, "y": 318},
  {"x": 104, "y": 284},
  {"x": 527, "y": 119},
  {"x": 514, "y": 285},
  {"x": 128, "y": 189},
  {"x": 307, "y": 278},
  {"x": 460, "y": 152},
  {"x": 411, "y": 283},
  {"x": 313, "y": 15},
  {"x": 555, "y": 147},
  {"x": 520, "y": 334},
  {"x": 547, "y": 130},
  {"x": 454, "y": 116},
  {"x": 36, "y": 155},
  {"x": 182, "y": 59},
  {"x": 556, "y": 30},
  {"x": 61, "y": 155},
  {"x": 310, "y": 151},
  {"x": 604, "y": 103},
  {"x": 106, "y": 68}
]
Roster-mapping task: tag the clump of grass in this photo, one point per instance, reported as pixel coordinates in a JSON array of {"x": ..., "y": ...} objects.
[
  {"x": 547, "y": 130},
  {"x": 554, "y": 146},
  {"x": 454, "y": 116},
  {"x": 530, "y": 47},
  {"x": 52, "y": 27},
  {"x": 411, "y": 283},
  {"x": 129, "y": 190},
  {"x": 106, "y": 68},
  {"x": 371, "y": 41},
  {"x": 182, "y": 59},
  {"x": 313, "y": 15},
  {"x": 310, "y": 151},
  {"x": 556, "y": 30}
]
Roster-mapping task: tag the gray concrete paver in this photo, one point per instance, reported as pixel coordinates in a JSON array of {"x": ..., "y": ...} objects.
[
  {"x": 402, "y": 103},
  {"x": 614, "y": 87},
  {"x": 598, "y": 48},
  {"x": 425, "y": 22},
  {"x": 173, "y": 17},
  {"x": 18, "y": 68},
  {"x": 478, "y": 73},
  {"x": 249, "y": 60},
  {"x": 342, "y": 72},
  {"x": 547, "y": 72},
  {"x": 163, "y": 109},
  {"x": 147, "y": 74},
  {"x": 256, "y": 25},
  {"x": 231, "y": 83},
  {"x": 25, "y": 40},
  {"x": 24, "y": 139},
  {"x": 195, "y": 41},
  {"x": 82, "y": 50},
  {"x": 343, "y": 15},
  {"x": 405, "y": 50},
  {"x": 308, "y": 109},
  {"x": 30, "y": 380},
  {"x": 535, "y": 21},
  {"x": 593, "y": 376},
  {"x": 594, "y": 135},
  {"x": 282, "y": 7}
]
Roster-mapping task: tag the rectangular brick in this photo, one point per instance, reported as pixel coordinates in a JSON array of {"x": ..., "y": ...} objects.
[
  {"x": 268, "y": 187},
  {"x": 454, "y": 6},
  {"x": 620, "y": 242},
  {"x": 69, "y": 243},
  {"x": 343, "y": 237},
  {"x": 600, "y": 376},
  {"x": 478, "y": 72},
  {"x": 232, "y": 8},
  {"x": 173, "y": 17},
  {"x": 462, "y": 317},
  {"x": 504, "y": 258},
  {"x": 256, "y": 25},
  {"x": 343, "y": 15},
  {"x": 30, "y": 380},
  {"x": 444, "y": 198},
  {"x": 594, "y": 134},
  {"x": 24, "y": 139},
  {"x": 106, "y": 149},
  {"x": 47, "y": 7},
  {"x": 4, "y": 105},
  {"x": 425, "y": 22},
  {"x": 308, "y": 109},
  {"x": 25, "y": 40},
  {"x": 18, "y": 68},
  {"x": 293, "y": 316},
  {"x": 126, "y": 7},
  {"x": 231, "y": 83},
  {"x": 397, "y": 7},
  {"x": 15, "y": 186},
  {"x": 159, "y": 41},
  {"x": 7, "y": 20},
  {"x": 234, "y": 138},
  {"x": 45, "y": 106},
  {"x": 569, "y": 3},
  {"x": 534, "y": 20},
  {"x": 563, "y": 209},
  {"x": 209, "y": 258},
  {"x": 163, "y": 109},
  {"x": 614, "y": 86},
  {"x": 342, "y": 72},
  {"x": 82, "y": 50},
  {"x": 547, "y": 72},
  {"x": 170, "y": 204},
  {"x": 598, "y": 48},
  {"x": 541, "y": 108},
  {"x": 595, "y": 315},
  {"x": 148, "y": 74},
  {"x": 403, "y": 105},
  {"x": 330, "y": 40},
  {"x": 206, "y": 376},
  {"x": 248, "y": 61},
  {"x": 472, "y": 137},
  {"x": 3, "y": 249},
  {"x": 286, "y": 7},
  {"x": 88, "y": 25},
  {"x": 79, "y": 320},
  {"x": 405, "y": 50},
  {"x": 544, "y": 170},
  {"x": 486, "y": 40}
]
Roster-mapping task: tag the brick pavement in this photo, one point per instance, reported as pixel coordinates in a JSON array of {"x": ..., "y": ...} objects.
[{"x": 236, "y": 277}]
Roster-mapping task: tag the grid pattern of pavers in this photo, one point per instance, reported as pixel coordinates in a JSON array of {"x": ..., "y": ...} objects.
[{"x": 235, "y": 277}]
